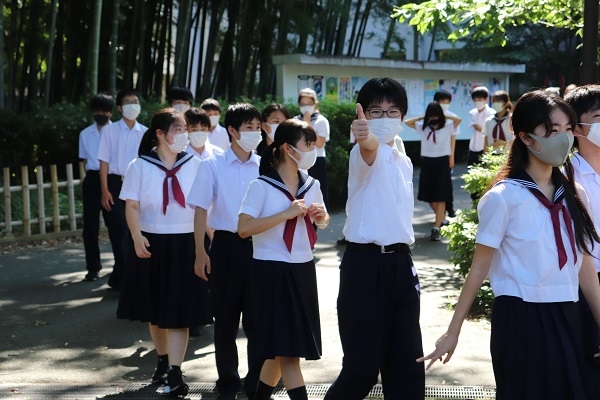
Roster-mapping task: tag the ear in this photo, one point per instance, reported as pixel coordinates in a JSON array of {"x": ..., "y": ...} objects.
[
  {"x": 232, "y": 131},
  {"x": 525, "y": 138},
  {"x": 578, "y": 130}
]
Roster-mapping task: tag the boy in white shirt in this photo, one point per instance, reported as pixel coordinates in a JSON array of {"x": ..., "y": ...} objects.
[
  {"x": 217, "y": 134},
  {"x": 478, "y": 115},
  {"x": 180, "y": 98}
]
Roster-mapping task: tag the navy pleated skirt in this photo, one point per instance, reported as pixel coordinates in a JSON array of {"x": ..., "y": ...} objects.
[
  {"x": 537, "y": 352},
  {"x": 435, "y": 180},
  {"x": 163, "y": 289},
  {"x": 285, "y": 298}
]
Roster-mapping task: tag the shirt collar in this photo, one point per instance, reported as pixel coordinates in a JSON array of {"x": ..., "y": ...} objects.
[
  {"x": 123, "y": 126},
  {"x": 231, "y": 157},
  {"x": 583, "y": 167}
]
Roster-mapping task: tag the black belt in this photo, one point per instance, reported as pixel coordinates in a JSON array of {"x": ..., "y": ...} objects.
[
  {"x": 226, "y": 235},
  {"x": 375, "y": 248},
  {"x": 116, "y": 177}
]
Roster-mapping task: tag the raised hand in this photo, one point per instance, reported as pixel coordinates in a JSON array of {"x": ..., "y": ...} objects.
[
  {"x": 360, "y": 126},
  {"x": 297, "y": 209}
]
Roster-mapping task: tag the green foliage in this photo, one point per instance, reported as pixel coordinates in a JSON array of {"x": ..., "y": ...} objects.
[
  {"x": 462, "y": 232},
  {"x": 490, "y": 20}
]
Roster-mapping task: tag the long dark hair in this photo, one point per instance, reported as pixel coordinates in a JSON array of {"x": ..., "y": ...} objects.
[
  {"x": 270, "y": 109},
  {"x": 434, "y": 110},
  {"x": 162, "y": 119},
  {"x": 530, "y": 111},
  {"x": 290, "y": 131}
]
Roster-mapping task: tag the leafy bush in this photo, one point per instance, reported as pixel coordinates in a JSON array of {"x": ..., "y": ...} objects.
[{"x": 463, "y": 231}]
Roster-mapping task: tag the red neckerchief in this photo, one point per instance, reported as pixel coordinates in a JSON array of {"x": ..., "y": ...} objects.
[
  {"x": 498, "y": 132},
  {"x": 430, "y": 133},
  {"x": 305, "y": 183}
]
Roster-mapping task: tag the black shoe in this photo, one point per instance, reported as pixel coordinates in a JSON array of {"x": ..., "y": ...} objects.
[
  {"x": 92, "y": 276},
  {"x": 175, "y": 385},
  {"x": 435, "y": 235},
  {"x": 451, "y": 213},
  {"x": 114, "y": 283},
  {"x": 160, "y": 375},
  {"x": 227, "y": 396},
  {"x": 445, "y": 222}
]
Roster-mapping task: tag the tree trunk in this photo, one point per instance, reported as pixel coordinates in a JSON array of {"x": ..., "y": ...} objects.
[
  {"x": 354, "y": 33},
  {"x": 94, "y": 47},
  {"x": 342, "y": 28},
  {"x": 216, "y": 15},
  {"x": 114, "y": 45},
  {"x": 2, "y": 55},
  {"x": 181, "y": 48}
]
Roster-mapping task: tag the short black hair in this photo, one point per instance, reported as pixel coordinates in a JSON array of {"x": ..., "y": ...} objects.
[
  {"x": 584, "y": 99},
  {"x": 211, "y": 105},
  {"x": 480, "y": 92},
  {"x": 271, "y": 108},
  {"x": 442, "y": 95},
  {"x": 377, "y": 90},
  {"x": 180, "y": 93},
  {"x": 197, "y": 116},
  {"x": 240, "y": 113},
  {"x": 102, "y": 102},
  {"x": 124, "y": 93}
]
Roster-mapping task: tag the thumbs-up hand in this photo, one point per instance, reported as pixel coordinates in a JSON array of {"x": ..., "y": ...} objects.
[{"x": 360, "y": 126}]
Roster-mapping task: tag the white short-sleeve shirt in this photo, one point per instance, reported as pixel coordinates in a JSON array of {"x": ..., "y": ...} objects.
[
  {"x": 488, "y": 129},
  {"x": 219, "y": 137},
  {"x": 220, "y": 187},
  {"x": 208, "y": 151},
  {"x": 321, "y": 126},
  {"x": 443, "y": 139},
  {"x": 144, "y": 183},
  {"x": 380, "y": 202},
  {"x": 119, "y": 145},
  {"x": 264, "y": 200},
  {"x": 477, "y": 141},
  {"x": 89, "y": 140},
  {"x": 451, "y": 114},
  {"x": 590, "y": 181},
  {"x": 525, "y": 264}
]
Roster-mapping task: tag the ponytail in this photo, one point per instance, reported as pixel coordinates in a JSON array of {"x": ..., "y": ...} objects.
[
  {"x": 162, "y": 119},
  {"x": 268, "y": 160},
  {"x": 148, "y": 142}
]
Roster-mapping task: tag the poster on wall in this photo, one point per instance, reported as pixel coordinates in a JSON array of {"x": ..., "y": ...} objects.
[
  {"x": 357, "y": 84},
  {"x": 431, "y": 86},
  {"x": 415, "y": 91},
  {"x": 345, "y": 91},
  {"x": 317, "y": 85},
  {"x": 331, "y": 88}
]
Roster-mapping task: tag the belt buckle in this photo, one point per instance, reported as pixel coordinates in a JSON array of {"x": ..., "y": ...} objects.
[{"x": 385, "y": 252}]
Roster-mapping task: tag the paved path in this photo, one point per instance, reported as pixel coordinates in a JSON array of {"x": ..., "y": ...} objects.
[{"x": 56, "y": 329}]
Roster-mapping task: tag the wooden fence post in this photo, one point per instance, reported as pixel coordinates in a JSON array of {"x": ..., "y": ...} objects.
[
  {"x": 7, "y": 207},
  {"x": 26, "y": 202},
  {"x": 41, "y": 208},
  {"x": 71, "y": 196},
  {"x": 54, "y": 185}
]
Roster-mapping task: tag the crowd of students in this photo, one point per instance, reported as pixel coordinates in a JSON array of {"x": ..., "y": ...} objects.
[{"x": 213, "y": 224}]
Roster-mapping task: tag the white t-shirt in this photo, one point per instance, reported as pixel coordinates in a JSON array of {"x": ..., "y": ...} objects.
[
  {"x": 321, "y": 126},
  {"x": 264, "y": 200},
  {"x": 207, "y": 151},
  {"x": 477, "y": 141},
  {"x": 380, "y": 202},
  {"x": 488, "y": 129},
  {"x": 119, "y": 145},
  {"x": 220, "y": 187},
  {"x": 89, "y": 140},
  {"x": 590, "y": 181},
  {"x": 443, "y": 139},
  {"x": 525, "y": 264},
  {"x": 449, "y": 113},
  {"x": 219, "y": 137},
  {"x": 144, "y": 183}
]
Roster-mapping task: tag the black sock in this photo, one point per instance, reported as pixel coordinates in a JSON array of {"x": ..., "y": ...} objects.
[
  {"x": 298, "y": 393},
  {"x": 263, "y": 391},
  {"x": 163, "y": 361}
]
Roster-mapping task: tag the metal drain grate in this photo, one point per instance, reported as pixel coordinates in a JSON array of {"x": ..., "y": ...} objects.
[{"x": 208, "y": 391}]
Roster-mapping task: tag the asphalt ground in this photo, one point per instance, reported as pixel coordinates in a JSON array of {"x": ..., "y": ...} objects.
[{"x": 59, "y": 337}]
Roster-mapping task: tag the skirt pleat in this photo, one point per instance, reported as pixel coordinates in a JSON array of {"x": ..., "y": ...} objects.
[
  {"x": 287, "y": 309},
  {"x": 163, "y": 289},
  {"x": 435, "y": 181},
  {"x": 537, "y": 353}
]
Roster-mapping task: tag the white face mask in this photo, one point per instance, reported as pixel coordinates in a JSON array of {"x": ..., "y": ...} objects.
[
  {"x": 307, "y": 109},
  {"x": 198, "y": 138},
  {"x": 249, "y": 140},
  {"x": 498, "y": 106},
  {"x": 445, "y": 106},
  {"x": 480, "y": 105},
  {"x": 273, "y": 129},
  {"x": 307, "y": 158},
  {"x": 131, "y": 111},
  {"x": 594, "y": 133},
  {"x": 179, "y": 142},
  {"x": 385, "y": 129},
  {"x": 181, "y": 107},
  {"x": 214, "y": 120}
]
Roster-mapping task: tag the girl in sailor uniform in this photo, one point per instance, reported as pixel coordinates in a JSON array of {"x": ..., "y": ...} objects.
[
  {"x": 278, "y": 211},
  {"x": 533, "y": 243},
  {"x": 160, "y": 285}
]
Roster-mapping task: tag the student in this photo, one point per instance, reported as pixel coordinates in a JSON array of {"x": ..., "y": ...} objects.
[
  {"x": 284, "y": 279},
  {"x": 180, "y": 98},
  {"x": 444, "y": 99},
  {"x": 309, "y": 112},
  {"x": 119, "y": 143},
  {"x": 478, "y": 115},
  {"x": 217, "y": 194},
  {"x": 497, "y": 128},
  {"x": 585, "y": 169},
  {"x": 101, "y": 106},
  {"x": 198, "y": 124},
  {"x": 379, "y": 287},
  {"x": 217, "y": 135},
  {"x": 535, "y": 254},
  {"x": 160, "y": 286},
  {"x": 272, "y": 116},
  {"x": 438, "y": 138}
]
